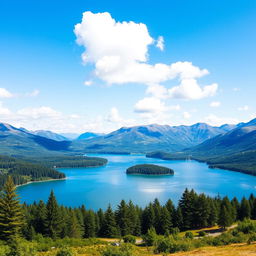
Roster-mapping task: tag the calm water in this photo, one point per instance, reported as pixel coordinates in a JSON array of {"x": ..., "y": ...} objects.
[{"x": 97, "y": 187}]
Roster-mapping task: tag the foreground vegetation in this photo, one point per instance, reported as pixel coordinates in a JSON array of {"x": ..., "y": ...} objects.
[
  {"x": 54, "y": 230},
  {"x": 149, "y": 169}
]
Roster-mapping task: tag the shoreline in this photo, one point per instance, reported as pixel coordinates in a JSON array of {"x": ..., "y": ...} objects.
[{"x": 38, "y": 181}]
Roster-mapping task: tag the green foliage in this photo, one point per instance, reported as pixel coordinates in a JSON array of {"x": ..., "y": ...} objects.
[
  {"x": 65, "y": 252},
  {"x": 123, "y": 250},
  {"x": 189, "y": 235},
  {"x": 11, "y": 217},
  {"x": 129, "y": 239},
  {"x": 149, "y": 169},
  {"x": 150, "y": 237},
  {"x": 201, "y": 233}
]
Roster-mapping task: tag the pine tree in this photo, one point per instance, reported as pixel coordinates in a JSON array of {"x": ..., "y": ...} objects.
[
  {"x": 225, "y": 218},
  {"x": 165, "y": 221},
  {"x": 148, "y": 218},
  {"x": 109, "y": 227},
  {"x": 40, "y": 218},
  {"x": 245, "y": 209},
  {"x": 11, "y": 217},
  {"x": 74, "y": 228},
  {"x": 53, "y": 222},
  {"x": 89, "y": 225},
  {"x": 253, "y": 210},
  {"x": 122, "y": 219}
]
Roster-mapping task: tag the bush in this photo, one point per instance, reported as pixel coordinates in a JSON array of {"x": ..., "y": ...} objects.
[
  {"x": 151, "y": 237},
  {"x": 201, "y": 233},
  {"x": 65, "y": 252},
  {"x": 162, "y": 244},
  {"x": 246, "y": 226},
  {"x": 189, "y": 235},
  {"x": 129, "y": 239},
  {"x": 174, "y": 231},
  {"x": 123, "y": 250}
]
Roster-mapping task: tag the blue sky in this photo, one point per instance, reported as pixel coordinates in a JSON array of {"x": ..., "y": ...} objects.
[{"x": 206, "y": 70}]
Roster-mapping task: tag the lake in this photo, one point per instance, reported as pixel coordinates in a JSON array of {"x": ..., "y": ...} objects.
[{"x": 97, "y": 187}]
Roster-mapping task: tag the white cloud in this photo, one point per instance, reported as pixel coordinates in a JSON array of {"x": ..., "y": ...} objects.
[
  {"x": 114, "y": 116},
  {"x": 160, "y": 43},
  {"x": 5, "y": 93},
  {"x": 88, "y": 83},
  {"x": 37, "y": 113},
  {"x": 243, "y": 108},
  {"x": 215, "y": 104},
  {"x": 119, "y": 51},
  {"x": 186, "y": 115},
  {"x": 215, "y": 120},
  {"x": 3, "y": 110},
  {"x": 33, "y": 93},
  {"x": 150, "y": 105},
  {"x": 189, "y": 89}
]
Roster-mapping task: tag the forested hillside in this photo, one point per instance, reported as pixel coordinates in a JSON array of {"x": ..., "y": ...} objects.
[{"x": 22, "y": 171}]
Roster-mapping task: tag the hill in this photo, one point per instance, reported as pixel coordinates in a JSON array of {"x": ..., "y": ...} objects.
[
  {"x": 14, "y": 141},
  {"x": 88, "y": 135},
  {"x": 143, "y": 139},
  {"x": 234, "y": 150},
  {"x": 50, "y": 135}
]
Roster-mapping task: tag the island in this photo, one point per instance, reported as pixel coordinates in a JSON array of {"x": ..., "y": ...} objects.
[{"x": 149, "y": 169}]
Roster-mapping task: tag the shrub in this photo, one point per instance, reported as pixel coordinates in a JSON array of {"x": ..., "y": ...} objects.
[
  {"x": 151, "y": 237},
  {"x": 162, "y": 244},
  {"x": 65, "y": 252},
  {"x": 123, "y": 250},
  {"x": 174, "y": 231},
  {"x": 129, "y": 239},
  {"x": 246, "y": 226},
  {"x": 201, "y": 233},
  {"x": 189, "y": 235}
]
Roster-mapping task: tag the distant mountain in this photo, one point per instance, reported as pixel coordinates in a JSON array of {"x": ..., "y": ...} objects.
[
  {"x": 242, "y": 138},
  {"x": 50, "y": 135},
  {"x": 14, "y": 141},
  {"x": 150, "y": 137},
  {"x": 88, "y": 135},
  {"x": 70, "y": 136}
]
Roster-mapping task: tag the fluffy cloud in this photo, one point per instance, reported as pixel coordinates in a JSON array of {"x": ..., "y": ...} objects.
[
  {"x": 119, "y": 51},
  {"x": 41, "y": 112},
  {"x": 186, "y": 115},
  {"x": 150, "y": 105},
  {"x": 160, "y": 43},
  {"x": 215, "y": 104},
  {"x": 189, "y": 89},
  {"x": 3, "y": 110},
  {"x": 5, "y": 93},
  {"x": 215, "y": 120},
  {"x": 88, "y": 83},
  {"x": 243, "y": 108}
]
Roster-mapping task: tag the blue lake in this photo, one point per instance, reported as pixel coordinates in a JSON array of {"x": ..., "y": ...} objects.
[{"x": 97, "y": 187}]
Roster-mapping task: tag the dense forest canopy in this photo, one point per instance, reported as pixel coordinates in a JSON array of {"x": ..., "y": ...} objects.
[
  {"x": 149, "y": 169},
  {"x": 44, "y": 168}
]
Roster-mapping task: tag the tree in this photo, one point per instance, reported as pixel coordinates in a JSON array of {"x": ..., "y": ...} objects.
[
  {"x": 225, "y": 218},
  {"x": 109, "y": 227},
  {"x": 245, "y": 209},
  {"x": 74, "y": 228},
  {"x": 11, "y": 217},
  {"x": 53, "y": 221},
  {"x": 122, "y": 219},
  {"x": 165, "y": 221},
  {"x": 89, "y": 225}
]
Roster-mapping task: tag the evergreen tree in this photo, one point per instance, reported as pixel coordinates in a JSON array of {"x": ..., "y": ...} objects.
[
  {"x": 225, "y": 218},
  {"x": 253, "y": 210},
  {"x": 100, "y": 214},
  {"x": 178, "y": 218},
  {"x": 165, "y": 221},
  {"x": 148, "y": 218},
  {"x": 245, "y": 209},
  {"x": 122, "y": 219},
  {"x": 89, "y": 225},
  {"x": 53, "y": 222},
  {"x": 109, "y": 227},
  {"x": 39, "y": 219},
  {"x": 11, "y": 217},
  {"x": 74, "y": 228}
]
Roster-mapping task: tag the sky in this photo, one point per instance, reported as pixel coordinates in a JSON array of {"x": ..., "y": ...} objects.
[{"x": 94, "y": 65}]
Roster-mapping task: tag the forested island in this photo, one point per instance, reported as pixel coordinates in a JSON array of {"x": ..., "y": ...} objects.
[
  {"x": 26, "y": 170},
  {"x": 149, "y": 169}
]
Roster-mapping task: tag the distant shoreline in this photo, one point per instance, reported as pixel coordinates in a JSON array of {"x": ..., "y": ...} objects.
[{"x": 38, "y": 181}]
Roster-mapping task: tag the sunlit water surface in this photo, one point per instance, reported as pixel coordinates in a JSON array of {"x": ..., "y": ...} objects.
[{"x": 98, "y": 187}]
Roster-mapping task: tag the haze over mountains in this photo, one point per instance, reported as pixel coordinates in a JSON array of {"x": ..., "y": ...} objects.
[{"x": 139, "y": 139}]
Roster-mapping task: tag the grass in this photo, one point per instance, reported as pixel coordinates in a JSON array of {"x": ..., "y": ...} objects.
[{"x": 229, "y": 250}]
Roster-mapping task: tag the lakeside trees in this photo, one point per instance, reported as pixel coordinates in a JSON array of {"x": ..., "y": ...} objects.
[{"x": 149, "y": 169}]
